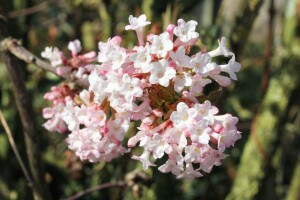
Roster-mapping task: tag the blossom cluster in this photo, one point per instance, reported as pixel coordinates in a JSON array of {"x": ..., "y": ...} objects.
[{"x": 157, "y": 86}]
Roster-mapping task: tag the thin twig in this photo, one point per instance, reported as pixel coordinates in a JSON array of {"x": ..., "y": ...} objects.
[
  {"x": 14, "y": 46},
  {"x": 34, "y": 9},
  {"x": 94, "y": 189},
  {"x": 15, "y": 150}
]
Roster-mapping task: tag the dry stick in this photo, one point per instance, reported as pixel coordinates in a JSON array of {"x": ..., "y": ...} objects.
[
  {"x": 16, "y": 152},
  {"x": 93, "y": 189}
]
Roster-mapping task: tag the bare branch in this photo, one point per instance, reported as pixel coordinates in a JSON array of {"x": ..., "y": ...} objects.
[
  {"x": 15, "y": 150},
  {"x": 14, "y": 46},
  {"x": 34, "y": 9},
  {"x": 93, "y": 189}
]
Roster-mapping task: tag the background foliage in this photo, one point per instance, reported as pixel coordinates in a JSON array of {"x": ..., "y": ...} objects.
[{"x": 265, "y": 34}]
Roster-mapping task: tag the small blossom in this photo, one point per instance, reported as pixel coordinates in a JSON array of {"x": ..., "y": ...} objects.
[
  {"x": 231, "y": 68},
  {"x": 137, "y": 22},
  {"x": 185, "y": 31},
  {"x": 184, "y": 115},
  {"x": 54, "y": 55},
  {"x": 74, "y": 47},
  {"x": 161, "y": 73},
  {"x": 161, "y": 44},
  {"x": 199, "y": 62},
  {"x": 144, "y": 158},
  {"x": 181, "y": 81},
  {"x": 180, "y": 58},
  {"x": 221, "y": 50}
]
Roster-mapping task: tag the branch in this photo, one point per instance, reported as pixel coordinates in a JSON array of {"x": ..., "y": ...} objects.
[
  {"x": 14, "y": 46},
  {"x": 94, "y": 189},
  {"x": 24, "y": 106},
  {"x": 16, "y": 152},
  {"x": 34, "y": 9}
]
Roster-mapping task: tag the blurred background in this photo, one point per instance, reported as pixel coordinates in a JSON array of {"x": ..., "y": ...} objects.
[{"x": 264, "y": 35}]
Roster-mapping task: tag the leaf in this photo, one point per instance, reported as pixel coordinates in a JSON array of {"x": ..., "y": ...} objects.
[
  {"x": 215, "y": 95},
  {"x": 166, "y": 93},
  {"x": 155, "y": 100},
  {"x": 212, "y": 97}
]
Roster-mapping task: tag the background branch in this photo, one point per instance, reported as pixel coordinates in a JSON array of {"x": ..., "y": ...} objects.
[
  {"x": 99, "y": 187},
  {"x": 16, "y": 152},
  {"x": 24, "y": 106}
]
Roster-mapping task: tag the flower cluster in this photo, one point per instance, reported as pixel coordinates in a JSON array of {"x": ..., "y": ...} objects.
[{"x": 159, "y": 84}]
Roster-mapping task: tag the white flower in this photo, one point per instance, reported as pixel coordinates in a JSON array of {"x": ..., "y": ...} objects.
[
  {"x": 227, "y": 138},
  {"x": 200, "y": 133},
  {"x": 74, "y": 47},
  {"x": 170, "y": 166},
  {"x": 185, "y": 31},
  {"x": 161, "y": 73},
  {"x": 181, "y": 81},
  {"x": 107, "y": 47},
  {"x": 136, "y": 23},
  {"x": 221, "y": 50},
  {"x": 206, "y": 112},
  {"x": 98, "y": 85},
  {"x": 52, "y": 54},
  {"x": 161, "y": 44},
  {"x": 231, "y": 68},
  {"x": 180, "y": 58},
  {"x": 144, "y": 158},
  {"x": 158, "y": 146},
  {"x": 184, "y": 116},
  {"x": 141, "y": 59},
  {"x": 189, "y": 172},
  {"x": 199, "y": 62},
  {"x": 86, "y": 143},
  {"x": 210, "y": 69},
  {"x": 131, "y": 88},
  {"x": 223, "y": 81},
  {"x": 117, "y": 58}
]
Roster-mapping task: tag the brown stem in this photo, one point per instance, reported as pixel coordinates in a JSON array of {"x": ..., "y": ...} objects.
[
  {"x": 93, "y": 189},
  {"x": 24, "y": 106},
  {"x": 13, "y": 46}
]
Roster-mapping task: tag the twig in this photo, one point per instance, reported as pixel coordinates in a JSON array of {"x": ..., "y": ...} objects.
[
  {"x": 34, "y": 9},
  {"x": 15, "y": 150},
  {"x": 14, "y": 46},
  {"x": 27, "y": 11},
  {"x": 24, "y": 106},
  {"x": 93, "y": 189}
]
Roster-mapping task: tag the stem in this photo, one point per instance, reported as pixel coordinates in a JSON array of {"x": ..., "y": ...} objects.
[
  {"x": 93, "y": 189},
  {"x": 24, "y": 106},
  {"x": 13, "y": 46},
  {"x": 16, "y": 152}
]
